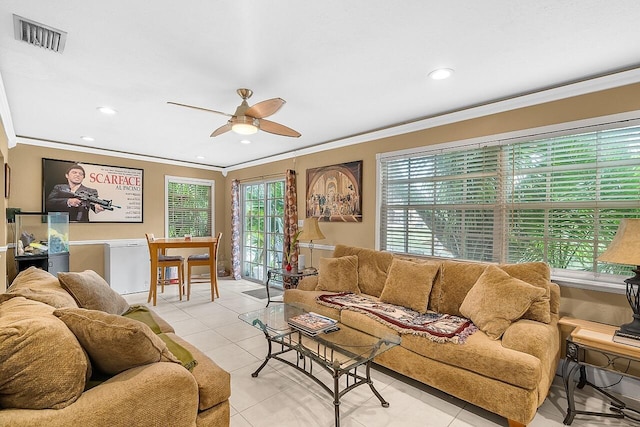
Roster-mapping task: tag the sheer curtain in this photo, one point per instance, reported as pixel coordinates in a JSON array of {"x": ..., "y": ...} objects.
[{"x": 235, "y": 230}]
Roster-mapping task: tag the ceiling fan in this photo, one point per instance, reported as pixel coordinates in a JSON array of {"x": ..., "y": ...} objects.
[{"x": 248, "y": 120}]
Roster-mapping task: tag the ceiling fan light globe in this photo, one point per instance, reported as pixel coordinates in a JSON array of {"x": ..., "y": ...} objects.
[{"x": 244, "y": 128}]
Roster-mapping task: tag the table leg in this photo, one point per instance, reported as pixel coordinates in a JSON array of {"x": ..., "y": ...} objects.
[
  {"x": 266, "y": 359},
  {"x": 568, "y": 373},
  {"x": 153, "y": 281},
  {"x": 383, "y": 402},
  {"x": 336, "y": 396},
  {"x": 213, "y": 273},
  {"x": 268, "y": 294}
]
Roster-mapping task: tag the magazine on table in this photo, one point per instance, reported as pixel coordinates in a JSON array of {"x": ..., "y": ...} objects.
[
  {"x": 622, "y": 338},
  {"x": 313, "y": 323}
]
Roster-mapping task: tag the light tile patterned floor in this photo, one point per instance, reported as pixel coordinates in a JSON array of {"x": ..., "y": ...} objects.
[{"x": 281, "y": 396}]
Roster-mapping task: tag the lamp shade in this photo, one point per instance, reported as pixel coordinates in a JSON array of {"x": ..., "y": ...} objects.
[
  {"x": 625, "y": 247},
  {"x": 310, "y": 230}
]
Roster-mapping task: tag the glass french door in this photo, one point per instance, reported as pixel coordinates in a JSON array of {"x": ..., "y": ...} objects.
[{"x": 262, "y": 228}]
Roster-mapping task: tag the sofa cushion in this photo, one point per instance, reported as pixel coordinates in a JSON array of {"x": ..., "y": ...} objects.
[
  {"x": 452, "y": 285},
  {"x": 409, "y": 284},
  {"x": 43, "y": 365},
  {"x": 92, "y": 292},
  {"x": 338, "y": 274},
  {"x": 373, "y": 267},
  {"x": 482, "y": 355},
  {"x": 115, "y": 343},
  {"x": 497, "y": 299},
  {"x": 536, "y": 274},
  {"x": 39, "y": 285}
]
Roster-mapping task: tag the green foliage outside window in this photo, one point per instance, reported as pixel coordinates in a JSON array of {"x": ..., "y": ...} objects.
[{"x": 557, "y": 200}]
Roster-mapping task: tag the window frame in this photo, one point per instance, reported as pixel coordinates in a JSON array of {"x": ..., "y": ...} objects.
[
  {"x": 591, "y": 281},
  {"x": 195, "y": 181}
]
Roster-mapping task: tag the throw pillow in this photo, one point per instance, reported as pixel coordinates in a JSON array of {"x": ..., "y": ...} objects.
[
  {"x": 496, "y": 300},
  {"x": 115, "y": 343},
  {"x": 338, "y": 274},
  {"x": 409, "y": 284},
  {"x": 39, "y": 285},
  {"x": 43, "y": 365},
  {"x": 92, "y": 292},
  {"x": 536, "y": 274}
]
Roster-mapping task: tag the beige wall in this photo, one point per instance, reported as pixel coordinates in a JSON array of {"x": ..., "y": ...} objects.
[
  {"x": 598, "y": 306},
  {"x": 26, "y": 193}
]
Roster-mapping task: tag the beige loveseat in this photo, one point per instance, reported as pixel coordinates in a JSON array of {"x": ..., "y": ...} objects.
[
  {"x": 506, "y": 366},
  {"x": 70, "y": 357}
]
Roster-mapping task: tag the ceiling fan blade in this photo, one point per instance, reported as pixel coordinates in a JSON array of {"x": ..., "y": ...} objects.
[
  {"x": 265, "y": 108},
  {"x": 222, "y": 129},
  {"x": 199, "y": 108},
  {"x": 277, "y": 128}
]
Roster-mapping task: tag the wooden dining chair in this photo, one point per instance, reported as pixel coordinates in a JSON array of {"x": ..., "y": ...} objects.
[
  {"x": 165, "y": 261},
  {"x": 203, "y": 260}
]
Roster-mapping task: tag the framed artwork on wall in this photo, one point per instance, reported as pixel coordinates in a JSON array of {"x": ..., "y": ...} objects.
[
  {"x": 334, "y": 193},
  {"x": 91, "y": 192}
]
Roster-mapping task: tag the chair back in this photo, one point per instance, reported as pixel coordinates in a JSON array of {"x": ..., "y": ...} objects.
[{"x": 218, "y": 238}]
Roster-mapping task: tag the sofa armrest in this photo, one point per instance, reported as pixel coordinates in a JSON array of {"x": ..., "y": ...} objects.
[
  {"x": 308, "y": 283},
  {"x": 149, "y": 395},
  {"x": 538, "y": 339}
]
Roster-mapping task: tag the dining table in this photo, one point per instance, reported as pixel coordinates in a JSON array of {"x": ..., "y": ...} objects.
[{"x": 161, "y": 244}]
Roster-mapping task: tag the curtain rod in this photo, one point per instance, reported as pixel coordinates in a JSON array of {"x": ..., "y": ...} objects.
[{"x": 262, "y": 177}]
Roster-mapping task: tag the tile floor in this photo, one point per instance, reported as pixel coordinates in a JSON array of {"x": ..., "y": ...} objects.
[{"x": 281, "y": 396}]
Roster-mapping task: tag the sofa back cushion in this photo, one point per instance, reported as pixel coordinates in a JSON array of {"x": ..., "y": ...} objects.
[
  {"x": 373, "y": 267},
  {"x": 452, "y": 285},
  {"x": 409, "y": 284},
  {"x": 38, "y": 285},
  {"x": 537, "y": 274},
  {"x": 458, "y": 277},
  {"x": 43, "y": 365},
  {"x": 338, "y": 274}
]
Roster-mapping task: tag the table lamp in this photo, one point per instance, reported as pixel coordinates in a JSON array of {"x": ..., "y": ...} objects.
[
  {"x": 625, "y": 249},
  {"x": 310, "y": 232}
]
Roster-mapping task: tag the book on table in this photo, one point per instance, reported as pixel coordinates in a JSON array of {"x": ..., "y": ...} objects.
[
  {"x": 622, "y": 338},
  {"x": 312, "y": 323}
]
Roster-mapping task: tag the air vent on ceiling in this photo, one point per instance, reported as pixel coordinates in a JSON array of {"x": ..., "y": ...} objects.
[{"x": 38, "y": 34}]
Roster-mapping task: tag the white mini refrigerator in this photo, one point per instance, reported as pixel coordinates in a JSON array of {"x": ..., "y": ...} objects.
[{"x": 127, "y": 266}]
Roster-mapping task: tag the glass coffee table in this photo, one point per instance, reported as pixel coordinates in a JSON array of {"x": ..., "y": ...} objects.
[{"x": 340, "y": 352}]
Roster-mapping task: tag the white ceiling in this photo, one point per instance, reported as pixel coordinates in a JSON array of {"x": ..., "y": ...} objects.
[{"x": 344, "y": 67}]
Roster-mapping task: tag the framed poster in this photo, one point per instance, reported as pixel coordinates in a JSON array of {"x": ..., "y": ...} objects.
[
  {"x": 334, "y": 193},
  {"x": 91, "y": 192}
]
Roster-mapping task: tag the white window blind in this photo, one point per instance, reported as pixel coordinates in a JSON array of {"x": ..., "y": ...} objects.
[
  {"x": 558, "y": 199},
  {"x": 189, "y": 206}
]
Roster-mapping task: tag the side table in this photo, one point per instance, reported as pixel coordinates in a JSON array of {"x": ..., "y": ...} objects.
[
  {"x": 591, "y": 344},
  {"x": 294, "y": 275}
]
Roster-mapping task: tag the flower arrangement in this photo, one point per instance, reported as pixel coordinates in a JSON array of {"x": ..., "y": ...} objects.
[{"x": 292, "y": 249}]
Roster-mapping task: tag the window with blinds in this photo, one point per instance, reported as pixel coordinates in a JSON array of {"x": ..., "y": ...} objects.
[
  {"x": 558, "y": 199},
  {"x": 189, "y": 207}
]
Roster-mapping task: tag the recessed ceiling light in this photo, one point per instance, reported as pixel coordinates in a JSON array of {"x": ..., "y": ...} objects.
[
  {"x": 200, "y": 157},
  {"x": 441, "y": 73},
  {"x": 107, "y": 110},
  {"x": 87, "y": 138},
  {"x": 245, "y": 141}
]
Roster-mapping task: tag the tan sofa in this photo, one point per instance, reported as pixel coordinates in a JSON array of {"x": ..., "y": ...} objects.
[
  {"x": 70, "y": 357},
  {"x": 506, "y": 367}
]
